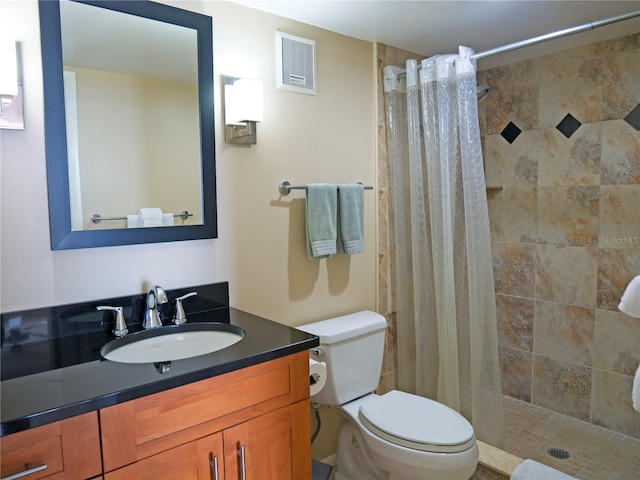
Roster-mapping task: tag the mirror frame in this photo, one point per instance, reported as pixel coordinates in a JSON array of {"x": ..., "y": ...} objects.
[{"x": 62, "y": 237}]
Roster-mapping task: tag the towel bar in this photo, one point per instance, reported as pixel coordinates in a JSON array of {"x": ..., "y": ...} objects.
[
  {"x": 97, "y": 218},
  {"x": 286, "y": 187}
]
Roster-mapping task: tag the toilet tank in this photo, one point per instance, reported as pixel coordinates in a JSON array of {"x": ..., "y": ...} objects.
[{"x": 352, "y": 347}]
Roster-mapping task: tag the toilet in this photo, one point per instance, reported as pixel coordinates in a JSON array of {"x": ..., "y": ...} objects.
[{"x": 395, "y": 436}]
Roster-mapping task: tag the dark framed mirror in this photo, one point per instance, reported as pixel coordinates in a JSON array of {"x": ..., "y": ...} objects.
[{"x": 134, "y": 128}]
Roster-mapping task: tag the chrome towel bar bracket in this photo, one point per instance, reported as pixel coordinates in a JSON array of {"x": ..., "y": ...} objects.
[{"x": 286, "y": 187}]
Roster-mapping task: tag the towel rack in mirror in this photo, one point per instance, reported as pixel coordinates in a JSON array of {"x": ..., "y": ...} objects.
[
  {"x": 286, "y": 187},
  {"x": 97, "y": 218}
]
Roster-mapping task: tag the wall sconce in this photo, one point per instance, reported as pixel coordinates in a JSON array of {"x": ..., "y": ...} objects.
[
  {"x": 11, "y": 114},
  {"x": 242, "y": 109}
]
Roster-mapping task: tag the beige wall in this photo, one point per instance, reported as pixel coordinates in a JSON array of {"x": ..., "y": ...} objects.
[{"x": 260, "y": 250}]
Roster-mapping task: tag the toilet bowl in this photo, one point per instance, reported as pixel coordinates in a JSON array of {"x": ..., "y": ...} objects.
[
  {"x": 399, "y": 436},
  {"x": 395, "y": 436}
]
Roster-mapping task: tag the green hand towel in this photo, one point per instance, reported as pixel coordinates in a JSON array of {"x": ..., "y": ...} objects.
[
  {"x": 321, "y": 216},
  {"x": 350, "y": 219}
]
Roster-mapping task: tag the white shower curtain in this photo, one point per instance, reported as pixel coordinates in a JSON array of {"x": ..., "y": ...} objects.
[{"x": 447, "y": 331}]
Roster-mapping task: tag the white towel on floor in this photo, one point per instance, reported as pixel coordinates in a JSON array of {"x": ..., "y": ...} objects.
[
  {"x": 630, "y": 301},
  {"x": 532, "y": 470},
  {"x": 635, "y": 392}
]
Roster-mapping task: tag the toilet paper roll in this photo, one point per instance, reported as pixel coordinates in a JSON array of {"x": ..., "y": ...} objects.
[{"x": 317, "y": 376}]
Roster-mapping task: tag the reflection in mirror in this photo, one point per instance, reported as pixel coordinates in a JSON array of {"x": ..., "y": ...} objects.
[
  {"x": 137, "y": 122},
  {"x": 131, "y": 106}
]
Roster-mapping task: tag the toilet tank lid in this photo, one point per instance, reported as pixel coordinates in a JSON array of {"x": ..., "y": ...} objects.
[{"x": 337, "y": 329}]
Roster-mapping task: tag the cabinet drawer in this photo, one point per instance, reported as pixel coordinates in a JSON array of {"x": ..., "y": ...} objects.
[
  {"x": 146, "y": 426},
  {"x": 43, "y": 456},
  {"x": 68, "y": 449}
]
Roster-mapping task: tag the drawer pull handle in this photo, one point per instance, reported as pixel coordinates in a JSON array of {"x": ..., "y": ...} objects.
[
  {"x": 26, "y": 472},
  {"x": 243, "y": 463},
  {"x": 214, "y": 464}
]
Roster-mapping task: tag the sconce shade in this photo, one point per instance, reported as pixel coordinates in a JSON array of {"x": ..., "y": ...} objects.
[
  {"x": 242, "y": 109},
  {"x": 243, "y": 102}
]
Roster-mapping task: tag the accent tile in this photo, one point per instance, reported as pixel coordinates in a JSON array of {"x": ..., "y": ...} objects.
[
  {"x": 562, "y": 387},
  {"x": 616, "y": 268},
  {"x": 567, "y": 275},
  {"x": 510, "y": 132},
  {"x": 515, "y": 321},
  {"x": 568, "y": 125},
  {"x": 564, "y": 332},
  {"x": 633, "y": 118}
]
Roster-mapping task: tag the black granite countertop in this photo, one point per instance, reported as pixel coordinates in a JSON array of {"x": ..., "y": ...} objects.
[{"x": 53, "y": 379}]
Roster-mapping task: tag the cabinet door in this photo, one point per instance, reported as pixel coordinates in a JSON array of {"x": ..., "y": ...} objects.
[
  {"x": 274, "y": 446},
  {"x": 198, "y": 460}
]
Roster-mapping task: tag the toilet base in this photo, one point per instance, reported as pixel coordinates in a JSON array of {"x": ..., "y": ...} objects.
[{"x": 353, "y": 461}]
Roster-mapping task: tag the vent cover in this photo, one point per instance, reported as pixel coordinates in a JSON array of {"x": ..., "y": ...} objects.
[{"x": 295, "y": 64}]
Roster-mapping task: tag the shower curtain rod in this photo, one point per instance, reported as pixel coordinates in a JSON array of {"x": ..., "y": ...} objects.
[
  {"x": 554, "y": 35},
  {"x": 550, "y": 36}
]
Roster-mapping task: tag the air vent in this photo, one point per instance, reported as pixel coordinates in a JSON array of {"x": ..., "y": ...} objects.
[{"x": 295, "y": 64}]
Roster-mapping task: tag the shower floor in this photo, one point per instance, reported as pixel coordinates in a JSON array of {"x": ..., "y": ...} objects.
[{"x": 596, "y": 453}]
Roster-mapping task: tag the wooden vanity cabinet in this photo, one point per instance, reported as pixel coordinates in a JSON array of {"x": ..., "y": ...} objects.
[
  {"x": 258, "y": 415},
  {"x": 70, "y": 449},
  {"x": 199, "y": 459}
]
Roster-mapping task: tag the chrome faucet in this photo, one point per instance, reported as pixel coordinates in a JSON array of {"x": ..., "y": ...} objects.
[{"x": 156, "y": 305}]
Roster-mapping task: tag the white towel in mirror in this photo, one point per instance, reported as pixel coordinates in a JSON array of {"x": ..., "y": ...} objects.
[
  {"x": 168, "y": 220},
  {"x": 150, "y": 217},
  {"x": 133, "y": 221}
]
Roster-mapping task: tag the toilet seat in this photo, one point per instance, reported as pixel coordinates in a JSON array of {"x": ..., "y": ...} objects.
[{"x": 417, "y": 423}]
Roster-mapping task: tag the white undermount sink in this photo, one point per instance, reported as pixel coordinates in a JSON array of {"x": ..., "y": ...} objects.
[{"x": 169, "y": 343}]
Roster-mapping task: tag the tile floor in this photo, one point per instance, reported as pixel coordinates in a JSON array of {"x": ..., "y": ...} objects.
[{"x": 596, "y": 453}]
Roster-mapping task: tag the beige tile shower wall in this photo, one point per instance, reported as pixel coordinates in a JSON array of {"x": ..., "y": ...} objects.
[{"x": 566, "y": 228}]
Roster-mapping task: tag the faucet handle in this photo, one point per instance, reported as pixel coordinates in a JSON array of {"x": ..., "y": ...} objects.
[
  {"x": 120, "y": 329},
  {"x": 179, "y": 316}
]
